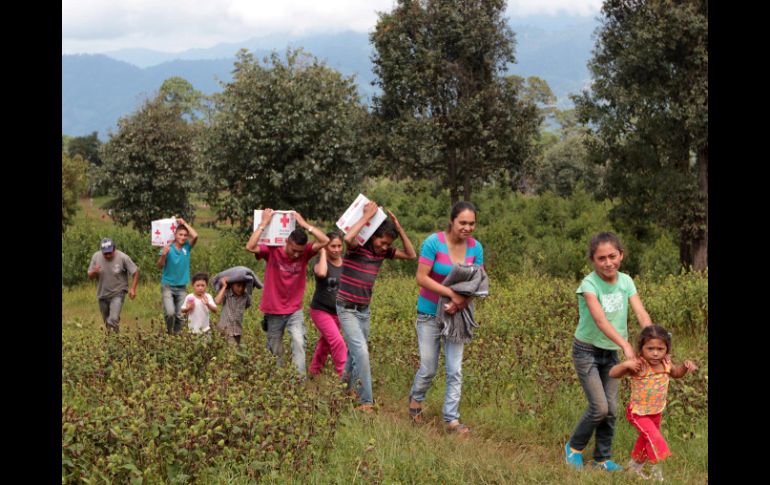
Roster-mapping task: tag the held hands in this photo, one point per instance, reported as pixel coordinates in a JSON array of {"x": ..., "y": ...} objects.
[
  {"x": 633, "y": 364},
  {"x": 628, "y": 351}
]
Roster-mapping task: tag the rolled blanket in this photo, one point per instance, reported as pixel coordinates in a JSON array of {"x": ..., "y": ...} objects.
[
  {"x": 238, "y": 274},
  {"x": 465, "y": 279}
]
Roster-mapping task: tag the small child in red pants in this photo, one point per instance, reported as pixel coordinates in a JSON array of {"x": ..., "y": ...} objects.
[{"x": 649, "y": 373}]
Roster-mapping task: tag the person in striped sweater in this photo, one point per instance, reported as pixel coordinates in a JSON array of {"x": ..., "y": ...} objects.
[{"x": 360, "y": 267}]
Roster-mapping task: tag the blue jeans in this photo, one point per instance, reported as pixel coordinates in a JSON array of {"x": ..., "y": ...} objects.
[
  {"x": 429, "y": 341},
  {"x": 173, "y": 300},
  {"x": 593, "y": 366},
  {"x": 355, "y": 323},
  {"x": 295, "y": 324},
  {"x": 110, "y": 308}
]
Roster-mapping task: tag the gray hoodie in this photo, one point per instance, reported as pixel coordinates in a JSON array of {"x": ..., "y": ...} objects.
[
  {"x": 468, "y": 280},
  {"x": 237, "y": 274}
]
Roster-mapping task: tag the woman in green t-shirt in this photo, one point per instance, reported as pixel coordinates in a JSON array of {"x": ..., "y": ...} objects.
[{"x": 603, "y": 300}]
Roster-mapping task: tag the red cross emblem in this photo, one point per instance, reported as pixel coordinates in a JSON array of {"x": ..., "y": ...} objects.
[
  {"x": 284, "y": 221},
  {"x": 157, "y": 232},
  {"x": 173, "y": 227}
]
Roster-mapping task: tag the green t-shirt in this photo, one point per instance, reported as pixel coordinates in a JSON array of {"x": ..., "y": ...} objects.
[{"x": 614, "y": 301}]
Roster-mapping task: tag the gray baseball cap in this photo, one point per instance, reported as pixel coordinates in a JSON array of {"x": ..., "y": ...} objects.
[{"x": 107, "y": 245}]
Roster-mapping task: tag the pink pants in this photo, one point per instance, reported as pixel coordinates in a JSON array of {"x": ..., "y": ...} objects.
[
  {"x": 651, "y": 445},
  {"x": 330, "y": 342}
]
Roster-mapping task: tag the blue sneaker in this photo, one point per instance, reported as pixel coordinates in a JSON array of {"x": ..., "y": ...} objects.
[
  {"x": 608, "y": 465},
  {"x": 574, "y": 458}
]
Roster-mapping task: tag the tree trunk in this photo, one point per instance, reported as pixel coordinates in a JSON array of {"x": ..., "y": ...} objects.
[{"x": 701, "y": 244}]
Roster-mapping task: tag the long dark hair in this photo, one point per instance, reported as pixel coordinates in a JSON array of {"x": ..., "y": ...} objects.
[{"x": 459, "y": 207}]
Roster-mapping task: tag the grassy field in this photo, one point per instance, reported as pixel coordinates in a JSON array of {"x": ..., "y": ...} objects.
[{"x": 146, "y": 408}]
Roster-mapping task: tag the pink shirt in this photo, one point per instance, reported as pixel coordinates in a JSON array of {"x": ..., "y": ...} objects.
[{"x": 284, "y": 279}]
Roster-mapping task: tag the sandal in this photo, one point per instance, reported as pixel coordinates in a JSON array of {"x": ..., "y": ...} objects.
[
  {"x": 415, "y": 413},
  {"x": 459, "y": 428}
]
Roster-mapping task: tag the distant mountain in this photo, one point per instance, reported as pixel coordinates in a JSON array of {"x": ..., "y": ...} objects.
[{"x": 98, "y": 89}]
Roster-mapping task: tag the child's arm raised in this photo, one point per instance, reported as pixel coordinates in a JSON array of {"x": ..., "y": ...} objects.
[
  {"x": 408, "y": 252},
  {"x": 680, "y": 370},
  {"x": 641, "y": 314},
  {"x": 595, "y": 308},
  {"x": 630, "y": 366},
  {"x": 370, "y": 209},
  {"x": 221, "y": 294}
]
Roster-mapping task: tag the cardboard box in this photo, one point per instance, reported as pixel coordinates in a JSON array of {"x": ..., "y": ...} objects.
[
  {"x": 354, "y": 213},
  {"x": 162, "y": 231},
  {"x": 276, "y": 233}
]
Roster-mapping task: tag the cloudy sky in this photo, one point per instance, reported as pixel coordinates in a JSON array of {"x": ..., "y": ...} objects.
[{"x": 90, "y": 26}]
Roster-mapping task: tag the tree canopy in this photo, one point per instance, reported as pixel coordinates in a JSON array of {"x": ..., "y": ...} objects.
[
  {"x": 149, "y": 164},
  {"x": 446, "y": 111},
  {"x": 649, "y": 109},
  {"x": 287, "y": 135}
]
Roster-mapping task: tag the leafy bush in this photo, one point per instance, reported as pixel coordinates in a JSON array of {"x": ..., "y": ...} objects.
[{"x": 148, "y": 408}]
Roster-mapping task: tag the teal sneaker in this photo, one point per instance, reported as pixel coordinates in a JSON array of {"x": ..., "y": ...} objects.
[
  {"x": 574, "y": 458},
  {"x": 608, "y": 465}
]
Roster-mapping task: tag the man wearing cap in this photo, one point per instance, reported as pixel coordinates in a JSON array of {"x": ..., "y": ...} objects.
[{"x": 112, "y": 267}]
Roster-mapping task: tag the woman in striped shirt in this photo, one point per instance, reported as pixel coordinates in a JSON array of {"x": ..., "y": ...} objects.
[{"x": 437, "y": 255}]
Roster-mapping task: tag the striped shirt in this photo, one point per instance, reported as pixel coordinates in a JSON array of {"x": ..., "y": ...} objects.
[
  {"x": 434, "y": 252},
  {"x": 359, "y": 270}
]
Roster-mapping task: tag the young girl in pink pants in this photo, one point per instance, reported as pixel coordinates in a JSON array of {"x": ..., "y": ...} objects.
[
  {"x": 323, "y": 309},
  {"x": 649, "y": 372}
]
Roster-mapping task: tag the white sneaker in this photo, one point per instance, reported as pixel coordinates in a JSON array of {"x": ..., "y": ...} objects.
[
  {"x": 638, "y": 468},
  {"x": 657, "y": 473}
]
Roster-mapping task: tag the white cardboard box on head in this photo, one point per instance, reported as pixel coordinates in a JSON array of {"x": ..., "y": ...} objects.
[
  {"x": 162, "y": 231},
  {"x": 354, "y": 213},
  {"x": 276, "y": 233}
]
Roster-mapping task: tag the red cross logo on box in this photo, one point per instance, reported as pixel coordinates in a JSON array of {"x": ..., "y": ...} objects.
[{"x": 284, "y": 221}]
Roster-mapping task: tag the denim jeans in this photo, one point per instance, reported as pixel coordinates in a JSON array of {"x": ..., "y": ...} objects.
[
  {"x": 355, "y": 325},
  {"x": 173, "y": 300},
  {"x": 429, "y": 341},
  {"x": 110, "y": 308},
  {"x": 593, "y": 366},
  {"x": 295, "y": 324}
]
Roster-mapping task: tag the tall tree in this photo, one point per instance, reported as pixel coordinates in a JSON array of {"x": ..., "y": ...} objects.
[
  {"x": 88, "y": 148},
  {"x": 286, "y": 135},
  {"x": 649, "y": 107},
  {"x": 446, "y": 112},
  {"x": 148, "y": 164},
  {"x": 74, "y": 182}
]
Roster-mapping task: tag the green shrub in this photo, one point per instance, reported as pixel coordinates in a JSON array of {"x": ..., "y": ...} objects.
[{"x": 149, "y": 408}]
